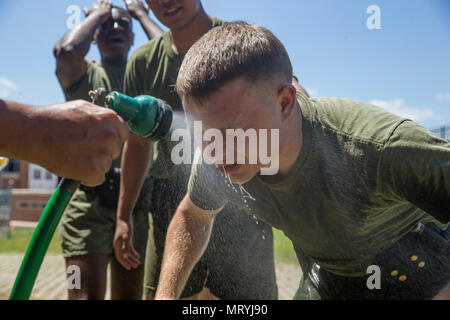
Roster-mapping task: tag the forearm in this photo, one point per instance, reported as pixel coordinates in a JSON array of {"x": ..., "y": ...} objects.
[
  {"x": 187, "y": 238},
  {"x": 136, "y": 159},
  {"x": 152, "y": 30},
  {"x": 77, "y": 41},
  {"x": 19, "y": 132}
]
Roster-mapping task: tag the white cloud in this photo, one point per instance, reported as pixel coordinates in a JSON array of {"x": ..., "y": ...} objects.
[
  {"x": 443, "y": 97},
  {"x": 7, "y": 87},
  {"x": 312, "y": 92},
  {"x": 400, "y": 108}
]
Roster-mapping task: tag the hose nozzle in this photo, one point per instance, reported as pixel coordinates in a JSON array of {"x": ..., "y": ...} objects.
[{"x": 147, "y": 116}]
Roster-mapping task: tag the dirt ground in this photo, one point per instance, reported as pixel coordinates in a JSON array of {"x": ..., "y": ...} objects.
[{"x": 51, "y": 284}]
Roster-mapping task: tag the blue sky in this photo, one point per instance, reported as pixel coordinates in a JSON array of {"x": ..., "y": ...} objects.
[{"x": 403, "y": 67}]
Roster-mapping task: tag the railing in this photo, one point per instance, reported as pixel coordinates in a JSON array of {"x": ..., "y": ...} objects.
[{"x": 5, "y": 213}]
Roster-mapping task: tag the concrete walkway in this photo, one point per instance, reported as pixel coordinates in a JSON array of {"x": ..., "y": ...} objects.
[{"x": 51, "y": 282}]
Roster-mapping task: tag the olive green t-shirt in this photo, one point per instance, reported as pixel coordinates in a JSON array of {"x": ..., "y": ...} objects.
[
  {"x": 364, "y": 178},
  {"x": 97, "y": 75},
  {"x": 153, "y": 70}
]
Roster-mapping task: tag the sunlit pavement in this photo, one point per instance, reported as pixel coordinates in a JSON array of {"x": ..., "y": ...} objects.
[{"x": 51, "y": 284}]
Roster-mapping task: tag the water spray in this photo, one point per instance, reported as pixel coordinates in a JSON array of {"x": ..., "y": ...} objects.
[{"x": 146, "y": 116}]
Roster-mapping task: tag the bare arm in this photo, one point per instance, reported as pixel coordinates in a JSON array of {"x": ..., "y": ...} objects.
[
  {"x": 75, "y": 139},
  {"x": 139, "y": 11},
  {"x": 136, "y": 158},
  {"x": 187, "y": 238},
  {"x": 74, "y": 45}
]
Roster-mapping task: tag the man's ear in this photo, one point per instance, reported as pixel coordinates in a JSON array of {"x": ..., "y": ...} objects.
[{"x": 287, "y": 100}]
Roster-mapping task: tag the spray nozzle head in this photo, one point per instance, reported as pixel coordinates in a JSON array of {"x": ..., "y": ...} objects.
[{"x": 147, "y": 116}]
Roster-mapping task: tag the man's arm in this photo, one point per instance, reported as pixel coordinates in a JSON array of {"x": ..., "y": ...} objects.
[
  {"x": 140, "y": 12},
  {"x": 75, "y": 139},
  {"x": 74, "y": 45},
  {"x": 136, "y": 158},
  {"x": 415, "y": 167},
  {"x": 186, "y": 240}
]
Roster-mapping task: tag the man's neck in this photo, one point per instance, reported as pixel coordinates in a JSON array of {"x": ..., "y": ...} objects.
[
  {"x": 184, "y": 38},
  {"x": 290, "y": 148},
  {"x": 115, "y": 62}
]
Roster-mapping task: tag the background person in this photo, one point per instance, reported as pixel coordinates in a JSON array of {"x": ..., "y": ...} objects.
[
  {"x": 87, "y": 227},
  {"x": 239, "y": 263}
]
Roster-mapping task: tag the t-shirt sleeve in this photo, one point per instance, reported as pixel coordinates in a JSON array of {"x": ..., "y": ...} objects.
[
  {"x": 207, "y": 187},
  {"x": 80, "y": 89},
  {"x": 415, "y": 167}
]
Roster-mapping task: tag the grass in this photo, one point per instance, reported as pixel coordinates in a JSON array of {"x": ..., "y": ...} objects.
[
  {"x": 283, "y": 249},
  {"x": 20, "y": 238},
  {"x": 18, "y": 243}
]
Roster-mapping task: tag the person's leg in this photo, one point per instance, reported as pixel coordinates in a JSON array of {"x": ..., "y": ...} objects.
[
  {"x": 86, "y": 232},
  {"x": 126, "y": 284},
  {"x": 93, "y": 276},
  {"x": 416, "y": 267}
]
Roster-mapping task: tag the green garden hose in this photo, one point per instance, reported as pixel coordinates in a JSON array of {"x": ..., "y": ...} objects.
[{"x": 41, "y": 238}]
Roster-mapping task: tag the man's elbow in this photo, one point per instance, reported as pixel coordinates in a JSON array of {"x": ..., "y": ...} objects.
[{"x": 64, "y": 52}]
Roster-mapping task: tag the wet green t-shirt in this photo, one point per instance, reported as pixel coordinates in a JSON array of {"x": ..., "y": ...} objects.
[
  {"x": 153, "y": 70},
  {"x": 364, "y": 178},
  {"x": 97, "y": 75}
]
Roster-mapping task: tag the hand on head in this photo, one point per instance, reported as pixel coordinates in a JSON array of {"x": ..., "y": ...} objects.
[
  {"x": 135, "y": 7},
  {"x": 102, "y": 7}
]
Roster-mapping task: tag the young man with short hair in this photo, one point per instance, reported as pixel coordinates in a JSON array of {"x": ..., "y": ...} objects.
[
  {"x": 356, "y": 186},
  {"x": 239, "y": 262}
]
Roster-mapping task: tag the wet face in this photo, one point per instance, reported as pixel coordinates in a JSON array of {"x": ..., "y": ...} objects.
[
  {"x": 238, "y": 105},
  {"x": 115, "y": 36},
  {"x": 175, "y": 14}
]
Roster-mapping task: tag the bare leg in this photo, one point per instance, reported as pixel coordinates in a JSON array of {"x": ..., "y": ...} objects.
[
  {"x": 126, "y": 285},
  {"x": 93, "y": 276}
]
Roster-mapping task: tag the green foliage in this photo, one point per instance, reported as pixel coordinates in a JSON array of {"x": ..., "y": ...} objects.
[{"x": 283, "y": 249}]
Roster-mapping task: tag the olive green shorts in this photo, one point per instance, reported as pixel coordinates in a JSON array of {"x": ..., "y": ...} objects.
[{"x": 88, "y": 227}]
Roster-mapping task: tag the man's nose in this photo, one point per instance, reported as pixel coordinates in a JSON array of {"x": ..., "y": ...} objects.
[{"x": 117, "y": 26}]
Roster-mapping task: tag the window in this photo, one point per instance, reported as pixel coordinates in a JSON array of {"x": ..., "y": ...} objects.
[
  {"x": 13, "y": 166},
  {"x": 37, "y": 174}
]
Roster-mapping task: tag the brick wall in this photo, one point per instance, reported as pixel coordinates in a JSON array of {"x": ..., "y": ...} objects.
[{"x": 28, "y": 204}]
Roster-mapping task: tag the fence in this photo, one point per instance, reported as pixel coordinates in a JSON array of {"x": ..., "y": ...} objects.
[
  {"x": 5, "y": 213},
  {"x": 443, "y": 132}
]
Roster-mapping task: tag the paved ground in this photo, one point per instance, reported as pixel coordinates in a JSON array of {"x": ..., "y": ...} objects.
[{"x": 51, "y": 284}]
